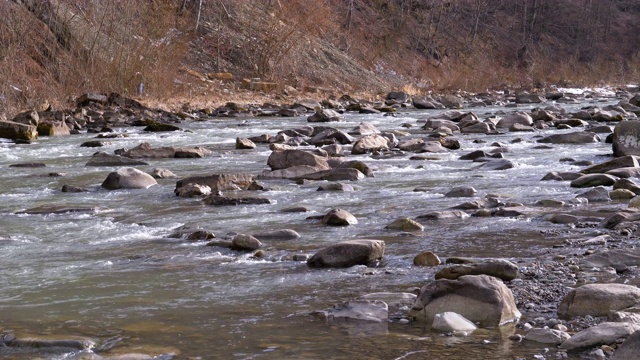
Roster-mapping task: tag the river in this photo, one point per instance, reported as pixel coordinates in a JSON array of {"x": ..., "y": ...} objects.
[{"x": 115, "y": 273}]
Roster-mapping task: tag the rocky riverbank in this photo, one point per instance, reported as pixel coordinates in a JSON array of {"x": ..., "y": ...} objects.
[{"x": 580, "y": 298}]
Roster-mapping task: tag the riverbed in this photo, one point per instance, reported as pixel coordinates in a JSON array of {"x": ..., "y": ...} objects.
[{"x": 115, "y": 271}]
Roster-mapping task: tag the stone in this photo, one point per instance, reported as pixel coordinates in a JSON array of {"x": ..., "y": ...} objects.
[
  {"x": 227, "y": 200},
  {"x": 498, "y": 164},
  {"x": 499, "y": 268},
  {"x": 479, "y": 128},
  {"x": 72, "y": 189},
  {"x": 405, "y": 224},
  {"x": 358, "y": 165},
  {"x": 583, "y": 137},
  {"x": 160, "y": 173},
  {"x": 339, "y": 174},
  {"x": 128, "y": 178},
  {"x": 282, "y": 234},
  {"x": 451, "y": 102},
  {"x": 244, "y": 144},
  {"x": 462, "y": 191},
  {"x": 452, "y": 322},
  {"x": 193, "y": 190},
  {"x": 365, "y": 128},
  {"x": 596, "y": 194},
  {"x": 624, "y": 173},
  {"x": 563, "y": 219},
  {"x": 370, "y": 143},
  {"x": 331, "y": 136},
  {"x": 598, "y": 300},
  {"x": 145, "y": 150},
  {"x": 627, "y": 184},
  {"x": 392, "y": 299},
  {"x": 288, "y": 158},
  {"x": 324, "y": 115},
  {"x": 593, "y": 180},
  {"x": 426, "y": 258},
  {"x": 88, "y": 98},
  {"x": 18, "y": 132},
  {"x": 525, "y": 98},
  {"x": 561, "y": 176},
  {"x": 547, "y": 336},
  {"x": 348, "y": 253},
  {"x": 293, "y": 172},
  {"x": 628, "y": 161},
  {"x": 481, "y": 299},
  {"x": 443, "y": 215},
  {"x": 626, "y": 138},
  {"x": 519, "y": 118},
  {"x": 400, "y": 96},
  {"x": 613, "y": 258},
  {"x": 94, "y": 143},
  {"x": 621, "y": 194},
  {"x": 339, "y": 217},
  {"x": 29, "y": 117},
  {"x": 336, "y": 187},
  {"x": 426, "y": 103},
  {"x": 53, "y": 128},
  {"x": 54, "y": 209},
  {"x": 244, "y": 242},
  {"x": 219, "y": 182},
  {"x": 629, "y": 349},
  {"x": 160, "y": 127},
  {"x": 602, "y": 334},
  {"x": 620, "y": 218}
]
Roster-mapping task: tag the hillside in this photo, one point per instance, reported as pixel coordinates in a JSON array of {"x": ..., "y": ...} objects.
[{"x": 191, "y": 50}]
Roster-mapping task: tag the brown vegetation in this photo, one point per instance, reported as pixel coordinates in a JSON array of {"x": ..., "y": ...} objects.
[{"x": 51, "y": 50}]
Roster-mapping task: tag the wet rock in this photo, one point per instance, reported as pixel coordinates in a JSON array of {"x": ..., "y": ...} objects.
[
  {"x": 499, "y": 164},
  {"x": 364, "y": 310},
  {"x": 338, "y": 174},
  {"x": 405, "y": 224},
  {"x": 144, "y": 150},
  {"x": 45, "y": 343},
  {"x": 571, "y": 138},
  {"x": 94, "y": 143},
  {"x": 104, "y": 159},
  {"x": 17, "y": 132},
  {"x": 245, "y": 144},
  {"x": 598, "y": 300},
  {"x": 596, "y": 194},
  {"x": 550, "y": 203},
  {"x": 370, "y": 143},
  {"x": 593, "y": 180},
  {"x": 451, "y": 321},
  {"x": 624, "y": 173},
  {"x": 515, "y": 118},
  {"x": 339, "y": 217},
  {"x": 289, "y": 158},
  {"x": 443, "y": 215},
  {"x": 296, "y": 209},
  {"x": 53, "y": 128},
  {"x": 358, "y": 165},
  {"x": 426, "y": 103},
  {"x": 245, "y": 242},
  {"x": 615, "y": 258},
  {"x": 293, "y": 172},
  {"x": 628, "y": 161},
  {"x": 200, "y": 235},
  {"x": 336, "y": 187},
  {"x": 324, "y": 115},
  {"x": 626, "y": 138},
  {"x": 479, "y": 128},
  {"x": 159, "y": 173},
  {"x": 128, "y": 178},
  {"x": 561, "y": 176},
  {"x": 627, "y": 184},
  {"x": 451, "y": 102},
  {"x": 526, "y": 98},
  {"x": 426, "y": 258},
  {"x": 331, "y": 136},
  {"x": 621, "y": 194},
  {"x": 547, "y": 336},
  {"x": 55, "y": 209},
  {"x": 365, "y": 128},
  {"x": 479, "y": 298},
  {"x": 499, "y": 268},
  {"x": 563, "y": 219},
  {"x": 348, "y": 253},
  {"x": 392, "y": 299},
  {"x": 160, "y": 127},
  {"x": 28, "y": 165},
  {"x": 602, "y": 334},
  {"x": 219, "y": 182},
  {"x": 72, "y": 189},
  {"x": 226, "y": 200},
  {"x": 629, "y": 349},
  {"x": 282, "y": 234},
  {"x": 193, "y": 190},
  {"x": 462, "y": 191}
]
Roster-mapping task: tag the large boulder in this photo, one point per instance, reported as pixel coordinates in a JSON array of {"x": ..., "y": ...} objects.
[
  {"x": 339, "y": 217},
  {"x": 244, "y": 242},
  {"x": 629, "y": 349},
  {"x": 53, "y": 128},
  {"x": 348, "y": 253},
  {"x": 103, "y": 159},
  {"x": 370, "y": 143},
  {"x": 593, "y": 180},
  {"x": 526, "y": 98},
  {"x": 547, "y": 336},
  {"x": 598, "y": 300},
  {"x": 622, "y": 162},
  {"x": 626, "y": 138},
  {"x": 602, "y": 334},
  {"x": 145, "y": 150},
  {"x": 16, "y": 131},
  {"x": 480, "y": 298},
  {"x": 219, "y": 182},
  {"x": 339, "y": 174},
  {"x": 500, "y": 268},
  {"x": 288, "y": 158},
  {"x": 324, "y": 115},
  {"x": 581, "y": 137},
  {"x": 128, "y": 178}
]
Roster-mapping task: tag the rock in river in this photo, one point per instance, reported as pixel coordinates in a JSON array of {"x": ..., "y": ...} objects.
[
  {"x": 339, "y": 217},
  {"x": 348, "y": 253},
  {"x": 245, "y": 242},
  {"x": 598, "y": 300},
  {"x": 502, "y": 269},
  {"x": 103, "y": 159},
  {"x": 480, "y": 298},
  {"x": 602, "y": 334},
  {"x": 128, "y": 178}
]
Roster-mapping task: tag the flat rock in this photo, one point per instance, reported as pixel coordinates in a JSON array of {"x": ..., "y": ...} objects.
[
  {"x": 104, "y": 159},
  {"x": 628, "y": 161},
  {"x": 405, "y": 224},
  {"x": 582, "y": 137},
  {"x": 426, "y": 258},
  {"x": 598, "y": 300},
  {"x": 369, "y": 144},
  {"x": 629, "y": 349},
  {"x": 339, "y": 217},
  {"x": 219, "y": 182},
  {"x": 547, "y": 336},
  {"x": 225, "y": 200},
  {"x": 282, "y": 234},
  {"x": 128, "y": 178},
  {"x": 499, "y": 268},
  {"x": 602, "y": 334},
  {"x": 593, "y": 180},
  {"x": 348, "y": 253},
  {"x": 362, "y": 310},
  {"x": 288, "y": 158}
]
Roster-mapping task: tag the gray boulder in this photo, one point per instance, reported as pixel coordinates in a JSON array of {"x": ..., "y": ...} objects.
[
  {"x": 244, "y": 144},
  {"x": 405, "y": 224},
  {"x": 593, "y": 180},
  {"x": 339, "y": 217},
  {"x": 370, "y": 143},
  {"x": 128, "y": 178},
  {"x": 193, "y": 190},
  {"x": 526, "y": 98},
  {"x": 288, "y": 158},
  {"x": 244, "y": 242},
  {"x": 502, "y": 269},
  {"x": 462, "y": 191},
  {"x": 365, "y": 128},
  {"x": 519, "y": 117},
  {"x": 602, "y": 334},
  {"x": 479, "y": 298},
  {"x": 348, "y": 253},
  {"x": 324, "y": 115},
  {"x": 626, "y": 138},
  {"x": 628, "y": 161},
  {"x": 219, "y": 182},
  {"x": 547, "y": 336},
  {"x": 16, "y": 131},
  {"x": 364, "y": 310},
  {"x": 598, "y": 300},
  {"x": 451, "y": 321},
  {"x": 582, "y": 137},
  {"x": 629, "y": 349},
  {"x": 103, "y": 159}
]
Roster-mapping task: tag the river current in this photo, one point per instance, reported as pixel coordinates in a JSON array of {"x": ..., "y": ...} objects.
[{"x": 115, "y": 273}]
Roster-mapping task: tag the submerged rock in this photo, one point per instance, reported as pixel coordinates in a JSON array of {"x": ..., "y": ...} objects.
[
  {"x": 451, "y": 321},
  {"x": 348, "y": 253},
  {"x": 128, "y": 178}
]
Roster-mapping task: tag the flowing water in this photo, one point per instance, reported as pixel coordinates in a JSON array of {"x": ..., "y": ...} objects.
[{"x": 114, "y": 273}]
